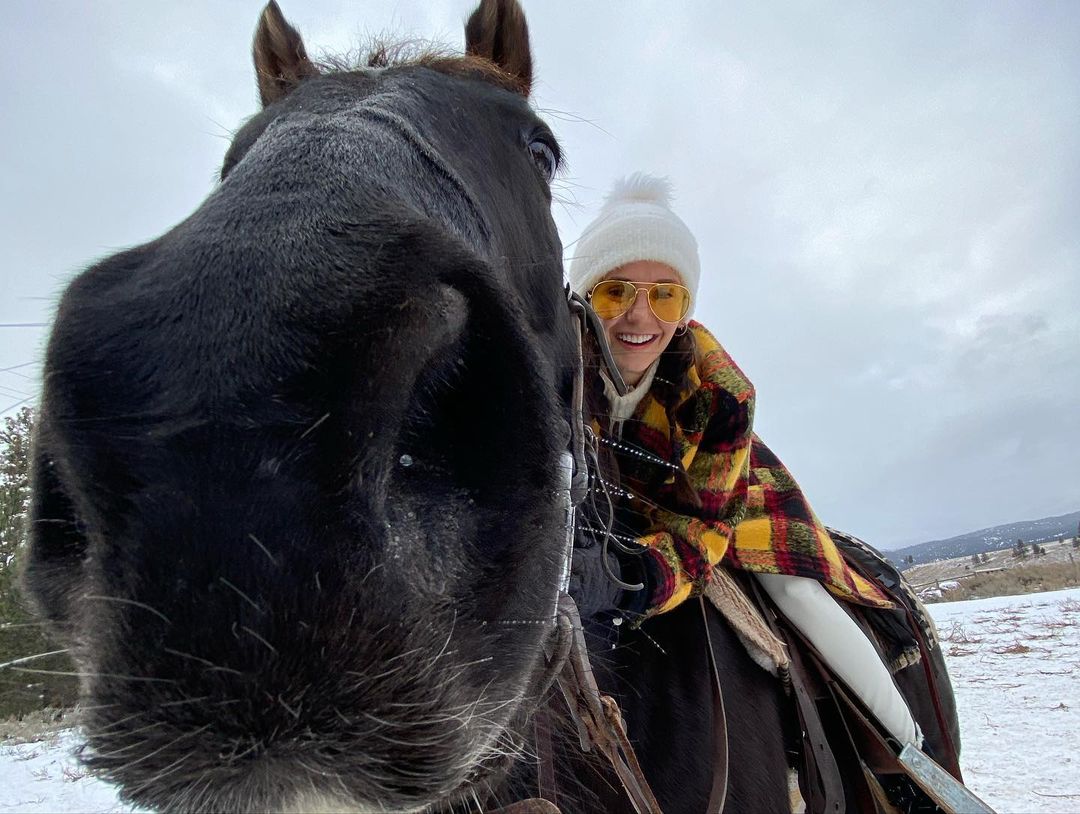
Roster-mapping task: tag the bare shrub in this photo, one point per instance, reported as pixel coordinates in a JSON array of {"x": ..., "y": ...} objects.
[
  {"x": 957, "y": 635},
  {"x": 1069, "y": 606},
  {"x": 955, "y": 652},
  {"x": 1059, "y": 624}
]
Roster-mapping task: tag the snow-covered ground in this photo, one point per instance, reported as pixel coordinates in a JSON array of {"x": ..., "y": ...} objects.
[
  {"x": 46, "y": 776},
  {"x": 1014, "y": 662}
]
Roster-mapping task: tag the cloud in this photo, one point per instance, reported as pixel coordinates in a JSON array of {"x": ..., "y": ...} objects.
[{"x": 885, "y": 196}]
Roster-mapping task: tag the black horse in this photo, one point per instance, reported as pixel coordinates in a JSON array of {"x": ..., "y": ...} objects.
[
  {"x": 300, "y": 456},
  {"x": 299, "y": 479}
]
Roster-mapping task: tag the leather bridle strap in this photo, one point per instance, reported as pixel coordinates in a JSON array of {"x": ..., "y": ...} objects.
[
  {"x": 556, "y": 653},
  {"x": 592, "y": 323},
  {"x": 718, "y": 795},
  {"x": 580, "y": 484},
  {"x": 597, "y": 717}
]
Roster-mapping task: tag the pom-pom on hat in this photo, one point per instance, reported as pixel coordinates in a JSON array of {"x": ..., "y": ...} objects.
[{"x": 635, "y": 223}]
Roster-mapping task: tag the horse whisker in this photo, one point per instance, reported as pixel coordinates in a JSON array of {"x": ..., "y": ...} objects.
[
  {"x": 25, "y": 659},
  {"x": 259, "y": 639},
  {"x": 121, "y": 601},
  {"x": 263, "y": 549},
  {"x": 241, "y": 594},
  {"x": 78, "y": 674}
]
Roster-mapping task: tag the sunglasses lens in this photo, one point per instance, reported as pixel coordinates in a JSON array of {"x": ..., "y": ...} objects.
[
  {"x": 669, "y": 301},
  {"x": 612, "y": 298}
]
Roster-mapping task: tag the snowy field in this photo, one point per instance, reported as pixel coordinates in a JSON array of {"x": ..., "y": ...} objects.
[{"x": 1014, "y": 661}]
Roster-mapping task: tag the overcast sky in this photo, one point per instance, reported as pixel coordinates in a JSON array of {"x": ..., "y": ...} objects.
[{"x": 886, "y": 196}]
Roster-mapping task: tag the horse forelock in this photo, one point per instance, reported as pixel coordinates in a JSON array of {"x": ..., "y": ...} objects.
[{"x": 384, "y": 54}]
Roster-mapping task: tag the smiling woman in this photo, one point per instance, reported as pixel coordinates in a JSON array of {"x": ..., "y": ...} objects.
[{"x": 701, "y": 488}]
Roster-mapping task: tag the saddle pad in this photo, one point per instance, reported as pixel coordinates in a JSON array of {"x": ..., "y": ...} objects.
[{"x": 728, "y": 597}]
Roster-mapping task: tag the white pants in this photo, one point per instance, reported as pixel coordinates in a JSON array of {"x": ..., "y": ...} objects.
[{"x": 845, "y": 648}]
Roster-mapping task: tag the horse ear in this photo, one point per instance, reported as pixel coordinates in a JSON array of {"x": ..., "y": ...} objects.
[
  {"x": 497, "y": 32},
  {"x": 281, "y": 62}
]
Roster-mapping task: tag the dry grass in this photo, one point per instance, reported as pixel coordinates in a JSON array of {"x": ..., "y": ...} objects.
[
  {"x": 72, "y": 774},
  {"x": 36, "y": 726},
  {"x": 1021, "y": 579},
  {"x": 1060, "y": 624},
  {"x": 957, "y": 652},
  {"x": 1036, "y": 637},
  {"x": 1016, "y": 648}
]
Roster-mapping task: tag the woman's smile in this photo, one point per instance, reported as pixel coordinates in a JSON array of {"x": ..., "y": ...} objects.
[{"x": 636, "y": 340}]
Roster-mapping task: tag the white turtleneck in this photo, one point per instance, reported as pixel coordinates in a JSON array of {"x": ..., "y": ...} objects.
[{"x": 622, "y": 407}]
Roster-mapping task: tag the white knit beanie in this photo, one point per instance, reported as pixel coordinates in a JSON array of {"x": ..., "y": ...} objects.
[{"x": 635, "y": 223}]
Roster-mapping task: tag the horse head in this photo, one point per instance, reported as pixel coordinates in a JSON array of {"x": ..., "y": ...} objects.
[{"x": 299, "y": 496}]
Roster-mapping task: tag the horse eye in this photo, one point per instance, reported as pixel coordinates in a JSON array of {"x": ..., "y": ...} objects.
[{"x": 543, "y": 155}]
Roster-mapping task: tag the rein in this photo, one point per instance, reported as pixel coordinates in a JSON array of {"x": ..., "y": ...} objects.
[{"x": 597, "y": 717}]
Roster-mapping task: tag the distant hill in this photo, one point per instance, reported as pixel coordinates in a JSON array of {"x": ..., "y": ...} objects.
[{"x": 991, "y": 539}]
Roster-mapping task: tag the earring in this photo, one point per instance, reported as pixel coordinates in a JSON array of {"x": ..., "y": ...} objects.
[{"x": 680, "y": 330}]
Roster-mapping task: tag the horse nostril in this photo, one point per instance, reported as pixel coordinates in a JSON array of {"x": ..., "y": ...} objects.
[{"x": 432, "y": 425}]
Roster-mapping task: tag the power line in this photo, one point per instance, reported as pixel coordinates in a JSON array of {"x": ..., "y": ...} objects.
[
  {"x": 15, "y": 367},
  {"x": 13, "y": 391},
  {"x": 24, "y": 324},
  {"x": 16, "y": 404}
]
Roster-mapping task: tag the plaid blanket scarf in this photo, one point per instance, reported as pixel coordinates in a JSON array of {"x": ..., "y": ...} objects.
[{"x": 723, "y": 495}]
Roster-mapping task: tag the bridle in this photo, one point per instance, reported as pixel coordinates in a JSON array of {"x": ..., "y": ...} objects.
[{"x": 597, "y": 717}]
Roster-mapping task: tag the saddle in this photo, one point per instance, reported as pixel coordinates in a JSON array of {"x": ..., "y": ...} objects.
[{"x": 843, "y": 758}]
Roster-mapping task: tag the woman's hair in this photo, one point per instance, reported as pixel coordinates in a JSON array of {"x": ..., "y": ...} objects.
[
  {"x": 671, "y": 380},
  {"x": 673, "y": 373}
]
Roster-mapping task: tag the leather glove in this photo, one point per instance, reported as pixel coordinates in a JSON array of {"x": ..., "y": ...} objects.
[{"x": 590, "y": 586}]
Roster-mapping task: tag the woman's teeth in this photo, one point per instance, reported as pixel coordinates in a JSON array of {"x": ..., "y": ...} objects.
[{"x": 635, "y": 339}]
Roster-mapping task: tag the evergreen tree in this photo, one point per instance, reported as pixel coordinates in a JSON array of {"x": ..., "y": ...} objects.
[
  {"x": 21, "y": 635},
  {"x": 14, "y": 483}
]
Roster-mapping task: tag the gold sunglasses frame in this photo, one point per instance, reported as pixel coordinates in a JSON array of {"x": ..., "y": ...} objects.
[{"x": 640, "y": 286}]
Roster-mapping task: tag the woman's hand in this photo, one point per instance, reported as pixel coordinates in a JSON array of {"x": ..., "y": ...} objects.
[{"x": 590, "y": 585}]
